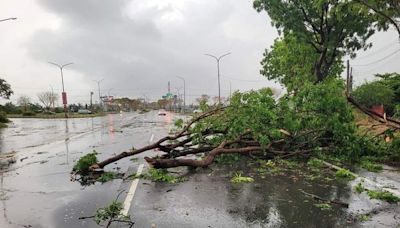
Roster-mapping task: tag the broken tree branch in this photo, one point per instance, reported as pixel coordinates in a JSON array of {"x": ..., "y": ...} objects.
[{"x": 183, "y": 133}]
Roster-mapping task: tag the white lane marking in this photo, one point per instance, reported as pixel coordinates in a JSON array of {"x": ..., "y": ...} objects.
[
  {"x": 132, "y": 190},
  {"x": 151, "y": 138}
]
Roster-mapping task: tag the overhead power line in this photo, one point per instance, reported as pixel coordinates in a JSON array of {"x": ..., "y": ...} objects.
[
  {"x": 379, "y": 60},
  {"x": 377, "y": 51}
]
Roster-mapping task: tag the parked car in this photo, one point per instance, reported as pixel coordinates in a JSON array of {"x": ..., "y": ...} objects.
[
  {"x": 84, "y": 111},
  {"x": 162, "y": 112}
]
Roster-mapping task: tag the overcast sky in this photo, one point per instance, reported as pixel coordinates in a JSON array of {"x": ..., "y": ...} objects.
[{"x": 137, "y": 46}]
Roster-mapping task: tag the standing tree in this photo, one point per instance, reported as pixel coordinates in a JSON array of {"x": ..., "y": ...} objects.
[
  {"x": 331, "y": 28},
  {"x": 48, "y": 99},
  {"x": 5, "y": 89},
  {"x": 204, "y": 98},
  {"x": 24, "y": 102}
]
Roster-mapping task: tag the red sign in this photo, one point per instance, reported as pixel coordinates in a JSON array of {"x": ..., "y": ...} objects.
[{"x": 64, "y": 97}]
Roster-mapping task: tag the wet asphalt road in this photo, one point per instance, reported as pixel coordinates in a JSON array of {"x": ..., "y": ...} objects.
[{"x": 36, "y": 191}]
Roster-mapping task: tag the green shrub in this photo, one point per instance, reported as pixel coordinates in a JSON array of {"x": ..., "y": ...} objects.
[
  {"x": 3, "y": 118},
  {"x": 374, "y": 93}
]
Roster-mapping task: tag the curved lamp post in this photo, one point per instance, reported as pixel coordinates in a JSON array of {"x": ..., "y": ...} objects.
[
  {"x": 64, "y": 94},
  {"x": 219, "y": 84},
  {"x": 184, "y": 92}
]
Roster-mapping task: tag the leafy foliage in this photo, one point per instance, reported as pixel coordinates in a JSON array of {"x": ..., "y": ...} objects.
[
  {"x": 359, "y": 188},
  {"x": 107, "y": 176},
  {"x": 227, "y": 158},
  {"x": 374, "y": 93},
  {"x": 238, "y": 178},
  {"x": 3, "y": 118},
  {"x": 386, "y": 12},
  {"x": 370, "y": 166},
  {"x": 383, "y": 195},
  {"x": 391, "y": 80},
  {"x": 318, "y": 118},
  {"x": 5, "y": 89},
  {"x": 161, "y": 175},
  {"x": 290, "y": 62},
  {"x": 332, "y": 28},
  {"x": 315, "y": 163},
  {"x": 345, "y": 174},
  {"x": 83, "y": 164},
  {"x": 323, "y": 206},
  {"x": 112, "y": 211}
]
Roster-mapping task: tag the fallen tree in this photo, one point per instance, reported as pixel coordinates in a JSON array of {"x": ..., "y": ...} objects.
[{"x": 317, "y": 120}]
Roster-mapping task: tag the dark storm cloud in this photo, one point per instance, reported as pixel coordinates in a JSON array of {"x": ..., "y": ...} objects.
[{"x": 138, "y": 47}]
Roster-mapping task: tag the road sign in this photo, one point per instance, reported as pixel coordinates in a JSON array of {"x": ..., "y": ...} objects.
[{"x": 64, "y": 97}]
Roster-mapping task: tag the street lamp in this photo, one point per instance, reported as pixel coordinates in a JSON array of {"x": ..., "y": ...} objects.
[
  {"x": 11, "y": 18},
  {"x": 218, "y": 59},
  {"x": 184, "y": 92},
  {"x": 64, "y": 94}
]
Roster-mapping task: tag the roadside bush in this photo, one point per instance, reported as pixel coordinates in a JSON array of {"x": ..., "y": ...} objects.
[
  {"x": 10, "y": 108},
  {"x": 58, "y": 110},
  {"x": 28, "y": 113},
  {"x": 397, "y": 111},
  {"x": 375, "y": 93},
  {"x": 3, "y": 118}
]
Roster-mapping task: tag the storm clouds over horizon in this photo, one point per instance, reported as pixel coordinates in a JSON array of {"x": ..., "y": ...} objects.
[{"x": 136, "y": 46}]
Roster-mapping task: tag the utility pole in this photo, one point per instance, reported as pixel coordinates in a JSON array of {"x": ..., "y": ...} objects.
[
  {"x": 64, "y": 94},
  {"x": 230, "y": 91},
  {"x": 351, "y": 81},
  {"x": 184, "y": 92},
  {"x": 348, "y": 78},
  {"x": 98, "y": 86},
  {"x": 91, "y": 101},
  {"x": 52, "y": 97},
  {"x": 219, "y": 84}
]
